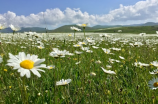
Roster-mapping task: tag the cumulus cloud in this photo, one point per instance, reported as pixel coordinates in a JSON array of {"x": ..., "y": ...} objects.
[{"x": 141, "y": 11}]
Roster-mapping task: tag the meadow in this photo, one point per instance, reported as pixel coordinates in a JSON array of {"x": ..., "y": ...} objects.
[{"x": 101, "y": 68}]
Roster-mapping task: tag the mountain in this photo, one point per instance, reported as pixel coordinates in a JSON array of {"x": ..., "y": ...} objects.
[
  {"x": 66, "y": 28},
  {"x": 25, "y": 29},
  {"x": 105, "y": 26},
  {"x": 150, "y": 24}
]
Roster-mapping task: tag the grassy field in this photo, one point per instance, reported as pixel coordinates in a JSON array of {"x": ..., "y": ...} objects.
[{"x": 129, "y": 58}]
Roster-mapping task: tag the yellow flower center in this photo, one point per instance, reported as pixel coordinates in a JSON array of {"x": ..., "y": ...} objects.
[
  {"x": 65, "y": 83},
  {"x": 84, "y": 25},
  {"x": 27, "y": 64},
  {"x": 69, "y": 35},
  {"x": 155, "y": 84},
  {"x": 5, "y": 70},
  {"x": 83, "y": 43},
  {"x": 40, "y": 47}
]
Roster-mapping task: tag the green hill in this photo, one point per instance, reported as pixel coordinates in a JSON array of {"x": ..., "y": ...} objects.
[
  {"x": 137, "y": 29},
  {"x": 66, "y": 28}
]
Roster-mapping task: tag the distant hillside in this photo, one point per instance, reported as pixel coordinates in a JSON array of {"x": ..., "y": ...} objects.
[
  {"x": 66, "y": 28},
  {"x": 132, "y": 29},
  {"x": 97, "y": 28},
  {"x": 105, "y": 26}
]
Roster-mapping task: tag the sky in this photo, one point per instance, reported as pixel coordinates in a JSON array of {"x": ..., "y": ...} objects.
[{"x": 54, "y": 13}]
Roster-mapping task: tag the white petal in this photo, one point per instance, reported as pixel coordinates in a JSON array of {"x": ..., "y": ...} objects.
[
  {"x": 40, "y": 70},
  {"x": 22, "y": 72},
  {"x": 28, "y": 74},
  {"x": 38, "y": 61},
  {"x": 35, "y": 72}
]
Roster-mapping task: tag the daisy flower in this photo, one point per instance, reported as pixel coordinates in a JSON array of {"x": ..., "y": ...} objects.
[
  {"x": 58, "y": 53},
  {"x": 92, "y": 74},
  {"x": 107, "y": 51},
  {"x": 78, "y": 52},
  {"x": 40, "y": 47},
  {"x": 154, "y": 72},
  {"x": 63, "y": 82},
  {"x": 14, "y": 28},
  {"x": 121, "y": 57},
  {"x": 104, "y": 35},
  {"x": 153, "y": 84},
  {"x": 154, "y": 63},
  {"x": 77, "y": 45},
  {"x": 75, "y": 28},
  {"x": 26, "y": 64},
  {"x": 108, "y": 71},
  {"x": 2, "y": 26},
  {"x": 78, "y": 62},
  {"x": 1, "y": 59},
  {"x": 108, "y": 66},
  {"x": 116, "y": 49},
  {"x": 95, "y": 47},
  {"x": 50, "y": 67},
  {"x": 98, "y": 62}
]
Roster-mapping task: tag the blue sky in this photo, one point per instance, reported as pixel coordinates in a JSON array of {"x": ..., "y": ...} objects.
[
  {"x": 54, "y": 13},
  {"x": 26, "y": 7}
]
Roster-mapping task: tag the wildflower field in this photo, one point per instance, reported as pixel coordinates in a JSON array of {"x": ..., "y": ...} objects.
[{"x": 90, "y": 68}]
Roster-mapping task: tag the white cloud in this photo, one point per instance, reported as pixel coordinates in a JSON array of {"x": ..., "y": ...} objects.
[{"x": 142, "y": 11}]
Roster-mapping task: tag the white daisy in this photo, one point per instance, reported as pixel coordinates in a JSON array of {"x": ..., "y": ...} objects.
[
  {"x": 75, "y": 28},
  {"x": 98, "y": 62},
  {"x": 89, "y": 51},
  {"x": 108, "y": 71},
  {"x": 78, "y": 52},
  {"x": 92, "y": 74},
  {"x": 63, "y": 82},
  {"x": 95, "y": 47},
  {"x": 153, "y": 84},
  {"x": 50, "y": 67},
  {"x": 121, "y": 57},
  {"x": 154, "y": 63},
  {"x": 1, "y": 60},
  {"x": 116, "y": 49},
  {"x": 154, "y": 72},
  {"x": 82, "y": 25},
  {"x": 108, "y": 66},
  {"x": 2, "y": 26},
  {"x": 107, "y": 51},
  {"x": 77, "y": 45},
  {"x": 14, "y": 28},
  {"x": 40, "y": 47},
  {"x": 58, "y": 53},
  {"x": 26, "y": 63},
  {"x": 78, "y": 62}
]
